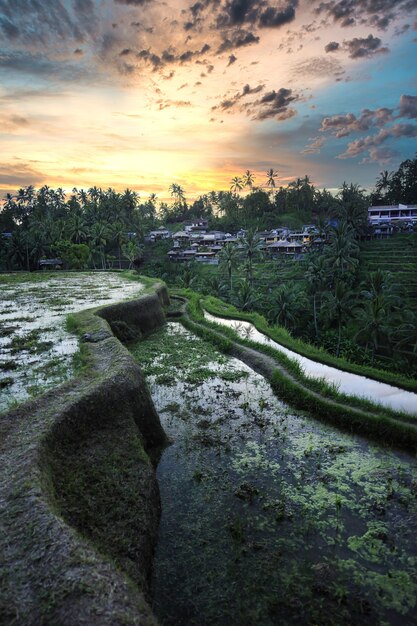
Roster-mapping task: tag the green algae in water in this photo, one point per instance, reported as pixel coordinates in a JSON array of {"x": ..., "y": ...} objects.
[{"x": 269, "y": 517}]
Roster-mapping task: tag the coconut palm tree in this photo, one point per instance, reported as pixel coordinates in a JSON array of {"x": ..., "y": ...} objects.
[
  {"x": 118, "y": 231},
  {"x": 76, "y": 227},
  {"x": 338, "y": 305},
  {"x": 100, "y": 233},
  {"x": 343, "y": 252},
  {"x": 245, "y": 296},
  {"x": 376, "y": 314},
  {"x": 270, "y": 178},
  {"x": 248, "y": 179},
  {"x": 236, "y": 184},
  {"x": 177, "y": 192},
  {"x": 251, "y": 245},
  {"x": 229, "y": 258},
  {"x": 316, "y": 277},
  {"x": 287, "y": 303}
]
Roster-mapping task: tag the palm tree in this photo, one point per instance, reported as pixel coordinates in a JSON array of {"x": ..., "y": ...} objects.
[
  {"x": 177, "y": 192},
  {"x": 99, "y": 234},
  {"x": 251, "y": 245},
  {"x": 132, "y": 251},
  {"x": 245, "y": 296},
  {"x": 229, "y": 258},
  {"x": 77, "y": 228},
  {"x": 287, "y": 303},
  {"x": 237, "y": 184},
  {"x": 338, "y": 305},
  {"x": 270, "y": 177},
  {"x": 119, "y": 235},
  {"x": 376, "y": 315},
  {"x": 315, "y": 276},
  {"x": 342, "y": 253},
  {"x": 248, "y": 179}
]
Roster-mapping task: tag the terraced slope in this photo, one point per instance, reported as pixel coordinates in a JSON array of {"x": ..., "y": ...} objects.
[{"x": 397, "y": 255}]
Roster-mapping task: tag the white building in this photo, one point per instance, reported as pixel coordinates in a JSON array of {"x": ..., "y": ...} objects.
[{"x": 401, "y": 213}]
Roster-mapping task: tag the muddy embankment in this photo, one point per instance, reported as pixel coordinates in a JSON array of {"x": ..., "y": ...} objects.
[{"x": 79, "y": 505}]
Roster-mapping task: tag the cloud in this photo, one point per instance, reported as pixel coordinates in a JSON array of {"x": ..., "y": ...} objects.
[
  {"x": 360, "y": 47},
  {"x": 256, "y": 12},
  {"x": 40, "y": 65},
  {"x": 332, "y": 46},
  {"x": 232, "y": 59},
  {"x": 238, "y": 39},
  {"x": 317, "y": 66},
  {"x": 370, "y": 142},
  {"x": 33, "y": 22},
  {"x": 19, "y": 175},
  {"x": 408, "y": 107},
  {"x": 165, "y": 104},
  {"x": 135, "y": 3},
  {"x": 376, "y": 13},
  {"x": 229, "y": 103},
  {"x": 273, "y": 16},
  {"x": 344, "y": 125},
  {"x": 11, "y": 123},
  {"x": 315, "y": 145},
  {"x": 274, "y": 104}
]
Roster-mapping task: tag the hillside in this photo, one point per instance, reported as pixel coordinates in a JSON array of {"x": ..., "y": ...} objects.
[{"x": 397, "y": 255}]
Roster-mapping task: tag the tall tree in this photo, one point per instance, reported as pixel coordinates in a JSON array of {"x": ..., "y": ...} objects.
[{"x": 271, "y": 175}]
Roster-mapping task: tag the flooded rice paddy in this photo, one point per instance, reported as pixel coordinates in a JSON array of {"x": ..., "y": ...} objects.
[
  {"x": 346, "y": 382},
  {"x": 35, "y": 349},
  {"x": 268, "y": 516}
]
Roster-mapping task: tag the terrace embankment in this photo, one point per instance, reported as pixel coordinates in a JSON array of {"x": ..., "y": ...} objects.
[{"x": 79, "y": 503}]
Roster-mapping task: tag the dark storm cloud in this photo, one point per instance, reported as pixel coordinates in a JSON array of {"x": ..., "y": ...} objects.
[{"x": 238, "y": 39}]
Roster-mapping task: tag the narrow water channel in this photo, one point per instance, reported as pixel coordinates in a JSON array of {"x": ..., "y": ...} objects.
[
  {"x": 268, "y": 516},
  {"x": 348, "y": 383}
]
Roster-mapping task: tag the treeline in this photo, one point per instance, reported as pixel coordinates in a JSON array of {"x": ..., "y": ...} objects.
[{"x": 98, "y": 228}]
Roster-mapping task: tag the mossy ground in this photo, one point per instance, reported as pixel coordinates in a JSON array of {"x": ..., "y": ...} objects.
[{"x": 268, "y": 515}]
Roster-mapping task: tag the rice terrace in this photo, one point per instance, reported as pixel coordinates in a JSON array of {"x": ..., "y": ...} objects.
[{"x": 208, "y": 313}]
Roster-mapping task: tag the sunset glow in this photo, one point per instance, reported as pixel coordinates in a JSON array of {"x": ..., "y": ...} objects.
[{"x": 142, "y": 93}]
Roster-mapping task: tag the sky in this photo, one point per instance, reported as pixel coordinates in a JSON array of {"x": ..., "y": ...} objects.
[{"x": 146, "y": 93}]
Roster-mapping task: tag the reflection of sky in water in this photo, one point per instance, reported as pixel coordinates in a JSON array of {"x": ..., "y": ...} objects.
[
  {"x": 42, "y": 306},
  {"x": 351, "y": 384}
]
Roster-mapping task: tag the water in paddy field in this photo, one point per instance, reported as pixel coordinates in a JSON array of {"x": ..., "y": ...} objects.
[
  {"x": 346, "y": 382},
  {"x": 269, "y": 516},
  {"x": 35, "y": 348}
]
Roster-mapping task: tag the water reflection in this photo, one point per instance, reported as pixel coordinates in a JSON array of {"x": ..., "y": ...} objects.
[{"x": 346, "y": 382}]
